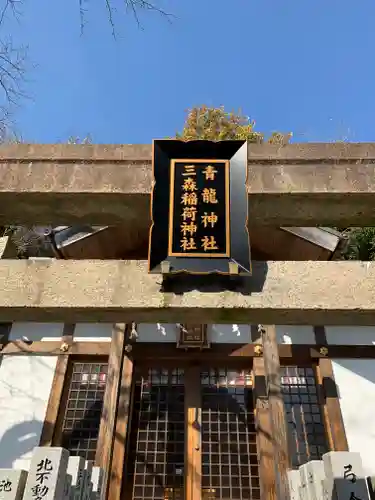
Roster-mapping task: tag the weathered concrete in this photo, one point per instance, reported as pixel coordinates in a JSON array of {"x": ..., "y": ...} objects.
[
  {"x": 292, "y": 185},
  {"x": 278, "y": 293},
  {"x": 306, "y": 152}
]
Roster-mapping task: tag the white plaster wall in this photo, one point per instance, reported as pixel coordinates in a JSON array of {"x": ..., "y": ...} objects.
[
  {"x": 157, "y": 332},
  {"x": 94, "y": 332},
  {"x": 242, "y": 334},
  {"x": 355, "y": 379},
  {"x": 164, "y": 332},
  {"x": 25, "y": 385},
  {"x": 53, "y": 331},
  {"x": 229, "y": 334},
  {"x": 295, "y": 334},
  {"x": 36, "y": 331},
  {"x": 217, "y": 333},
  {"x": 350, "y": 335}
]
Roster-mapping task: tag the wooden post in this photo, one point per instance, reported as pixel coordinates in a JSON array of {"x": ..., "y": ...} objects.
[
  {"x": 193, "y": 459},
  {"x": 277, "y": 410},
  {"x": 264, "y": 433},
  {"x": 104, "y": 448},
  {"x": 335, "y": 428},
  {"x": 263, "y": 423},
  {"x": 121, "y": 430},
  {"x": 56, "y": 395}
]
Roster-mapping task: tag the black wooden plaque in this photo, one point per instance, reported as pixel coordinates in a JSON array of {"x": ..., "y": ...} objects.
[{"x": 199, "y": 208}]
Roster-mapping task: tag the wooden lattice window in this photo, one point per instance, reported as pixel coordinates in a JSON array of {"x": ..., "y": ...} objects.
[
  {"x": 229, "y": 449},
  {"x": 306, "y": 430},
  {"x": 83, "y": 407},
  {"x": 156, "y": 467}
]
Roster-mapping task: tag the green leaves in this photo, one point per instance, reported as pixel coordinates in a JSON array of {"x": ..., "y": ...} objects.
[{"x": 361, "y": 245}]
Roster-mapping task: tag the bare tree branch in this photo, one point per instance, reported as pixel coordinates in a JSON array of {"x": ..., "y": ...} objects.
[
  {"x": 110, "y": 17},
  {"x": 133, "y": 6},
  {"x": 12, "y": 68},
  {"x": 11, "y": 6}
]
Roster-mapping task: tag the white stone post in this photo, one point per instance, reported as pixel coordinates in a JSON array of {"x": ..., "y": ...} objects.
[
  {"x": 75, "y": 470},
  {"x": 97, "y": 484},
  {"x": 315, "y": 476},
  {"x": 87, "y": 485},
  {"x": 12, "y": 484},
  {"x": 294, "y": 480},
  {"x": 345, "y": 475},
  {"x": 47, "y": 474}
]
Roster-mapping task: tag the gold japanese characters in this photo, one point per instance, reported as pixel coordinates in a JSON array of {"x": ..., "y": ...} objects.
[
  {"x": 199, "y": 191},
  {"x": 190, "y": 200},
  {"x": 202, "y": 198}
]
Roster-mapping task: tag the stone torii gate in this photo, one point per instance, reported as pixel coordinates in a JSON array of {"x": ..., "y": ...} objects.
[
  {"x": 299, "y": 185},
  {"x": 291, "y": 185}
]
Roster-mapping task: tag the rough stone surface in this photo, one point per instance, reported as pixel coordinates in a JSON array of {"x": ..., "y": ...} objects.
[
  {"x": 312, "y": 152},
  {"x": 116, "y": 291},
  {"x": 292, "y": 185}
]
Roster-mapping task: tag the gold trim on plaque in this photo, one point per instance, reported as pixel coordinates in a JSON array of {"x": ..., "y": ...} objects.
[{"x": 171, "y": 209}]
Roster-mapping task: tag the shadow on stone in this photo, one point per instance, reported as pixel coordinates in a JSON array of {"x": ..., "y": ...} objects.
[{"x": 216, "y": 283}]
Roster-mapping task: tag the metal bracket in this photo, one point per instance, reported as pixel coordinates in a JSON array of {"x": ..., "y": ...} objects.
[
  {"x": 165, "y": 267},
  {"x": 64, "y": 347},
  {"x": 233, "y": 268}
]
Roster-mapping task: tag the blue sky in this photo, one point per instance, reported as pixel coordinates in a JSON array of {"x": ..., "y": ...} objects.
[{"x": 292, "y": 65}]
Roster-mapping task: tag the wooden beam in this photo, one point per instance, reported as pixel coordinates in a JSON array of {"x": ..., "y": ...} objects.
[
  {"x": 109, "y": 291},
  {"x": 57, "y": 389},
  {"x": 276, "y": 410},
  {"x": 302, "y": 185},
  {"x": 104, "y": 448},
  {"x": 121, "y": 431},
  {"x": 235, "y": 354},
  {"x": 331, "y": 407},
  {"x": 146, "y": 352}
]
